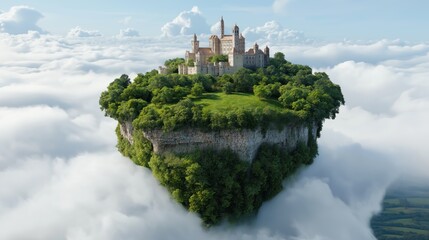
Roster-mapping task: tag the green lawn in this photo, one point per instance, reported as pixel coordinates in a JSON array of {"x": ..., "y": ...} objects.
[{"x": 219, "y": 102}]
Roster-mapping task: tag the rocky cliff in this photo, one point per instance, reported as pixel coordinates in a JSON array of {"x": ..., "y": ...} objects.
[{"x": 244, "y": 142}]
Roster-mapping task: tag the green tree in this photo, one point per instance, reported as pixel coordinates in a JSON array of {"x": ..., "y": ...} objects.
[
  {"x": 173, "y": 64},
  {"x": 228, "y": 88},
  {"x": 243, "y": 80},
  {"x": 261, "y": 91},
  {"x": 218, "y": 58},
  {"x": 110, "y": 100},
  {"x": 129, "y": 110},
  {"x": 197, "y": 90}
]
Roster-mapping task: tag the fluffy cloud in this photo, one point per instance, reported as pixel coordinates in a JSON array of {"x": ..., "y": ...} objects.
[
  {"x": 62, "y": 178},
  {"x": 273, "y": 32},
  {"x": 186, "y": 23},
  {"x": 330, "y": 54},
  {"x": 129, "y": 32},
  {"x": 79, "y": 32},
  {"x": 20, "y": 20},
  {"x": 215, "y": 28}
]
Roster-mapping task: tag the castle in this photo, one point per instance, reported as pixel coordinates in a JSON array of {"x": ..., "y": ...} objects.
[{"x": 233, "y": 46}]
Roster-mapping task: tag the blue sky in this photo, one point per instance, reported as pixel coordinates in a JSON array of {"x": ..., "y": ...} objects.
[{"x": 325, "y": 20}]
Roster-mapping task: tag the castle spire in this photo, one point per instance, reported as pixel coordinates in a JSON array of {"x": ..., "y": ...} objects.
[
  {"x": 222, "y": 27},
  {"x": 195, "y": 44}
]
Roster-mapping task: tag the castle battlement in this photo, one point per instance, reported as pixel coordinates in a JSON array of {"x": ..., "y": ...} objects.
[{"x": 233, "y": 46}]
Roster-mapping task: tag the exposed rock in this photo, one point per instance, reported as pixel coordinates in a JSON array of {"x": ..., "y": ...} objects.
[
  {"x": 244, "y": 142},
  {"x": 126, "y": 129}
]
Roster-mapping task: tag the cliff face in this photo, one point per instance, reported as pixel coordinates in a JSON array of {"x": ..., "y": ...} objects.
[{"x": 244, "y": 142}]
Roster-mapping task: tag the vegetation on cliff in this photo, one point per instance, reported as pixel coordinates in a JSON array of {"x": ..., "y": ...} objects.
[
  {"x": 216, "y": 183},
  {"x": 284, "y": 93}
]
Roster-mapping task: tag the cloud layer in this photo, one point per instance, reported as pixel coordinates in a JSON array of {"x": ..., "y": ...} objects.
[
  {"x": 62, "y": 178},
  {"x": 20, "y": 20},
  {"x": 79, "y": 32},
  {"x": 128, "y": 32}
]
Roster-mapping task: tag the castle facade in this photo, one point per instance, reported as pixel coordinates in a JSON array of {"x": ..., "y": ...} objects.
[{"x": 197, "y": 60}]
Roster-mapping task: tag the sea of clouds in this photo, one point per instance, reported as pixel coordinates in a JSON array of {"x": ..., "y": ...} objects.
[{"x": 61, "y": 176}]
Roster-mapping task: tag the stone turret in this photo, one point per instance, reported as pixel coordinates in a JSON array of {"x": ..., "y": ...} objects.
[
  {"x": 195, "y": 44},
  {"x": 256, "y": 47}
]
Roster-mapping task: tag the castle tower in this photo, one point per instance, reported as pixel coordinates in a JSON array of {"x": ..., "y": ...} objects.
[
  {"x": 242, "y": 44},
  {"x": 195, "y": 44},
  {"x": 235, "y": 36},
  {"x": 266, "y": 55},
  {"x": 256, "y": 47},
  {"x": 267, "y": 51},
  {"x": 222, "y": 27}
]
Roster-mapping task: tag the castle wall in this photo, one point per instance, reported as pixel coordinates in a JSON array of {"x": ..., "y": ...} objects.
[{"x": 243, "y": 142}]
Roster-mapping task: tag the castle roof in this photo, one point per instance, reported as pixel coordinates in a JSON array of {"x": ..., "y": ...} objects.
[
  {"x": 226, "y": 37},
  {"x": 252, "y": 51},
  {"x": 205, "y": 51}
]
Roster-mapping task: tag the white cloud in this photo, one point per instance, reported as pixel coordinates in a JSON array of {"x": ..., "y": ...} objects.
[
  {"x": 79, "y": 32},
  {"x": 273, "y": 32},
  {"x": 280, "y": 5},
  {"x": 128, "y": 32},
  {"x": 331, "y": 54},
  {"x": 215, "y": 28},
  {"x": 61, "y": 176},
  {"x": 186, "y": 23},
  {"x": 20, "y": 20}
]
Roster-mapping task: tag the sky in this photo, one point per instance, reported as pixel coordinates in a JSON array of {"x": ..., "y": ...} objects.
[
  {"x": 323, "y": 20},
  {"x": 61, "y": 176}
]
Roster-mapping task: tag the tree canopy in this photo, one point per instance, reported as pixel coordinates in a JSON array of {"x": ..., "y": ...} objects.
[{"x": 302, "y": 96}]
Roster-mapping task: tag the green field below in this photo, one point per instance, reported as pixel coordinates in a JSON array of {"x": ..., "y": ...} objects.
[
  {"x": 219, "y": 102},
  {"x": 405, "y": 215}
]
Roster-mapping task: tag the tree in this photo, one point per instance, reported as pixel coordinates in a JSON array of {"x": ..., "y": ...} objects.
[
  {"x": 218, "y": 58},
  {"x": 110, "y": 100},
  {"x": 173, "y": 64},
  {"x": 129, "y": 110},
  {"x": 197, "y": 90},
  {"x": 261, "y": 91},
  {"x": 243, "y": 80},
  {"x": 191, "y": 62},
  {"x": 228, "y": 88}
]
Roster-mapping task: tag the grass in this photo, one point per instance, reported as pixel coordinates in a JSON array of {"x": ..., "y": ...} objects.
[
  {"x": 405, "y": 215},
  {"x": 220, "y": 102}
]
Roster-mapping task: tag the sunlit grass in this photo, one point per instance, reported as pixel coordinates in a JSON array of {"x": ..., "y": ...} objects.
[{"x": 220, "y": 102}]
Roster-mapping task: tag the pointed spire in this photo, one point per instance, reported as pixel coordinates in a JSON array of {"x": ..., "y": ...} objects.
[
  {"x": 195, "y": 37},
  {"x": 222, "y": 27}
]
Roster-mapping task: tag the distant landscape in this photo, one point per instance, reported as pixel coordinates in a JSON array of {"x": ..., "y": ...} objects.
[{"x": 405, "y": 214}]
